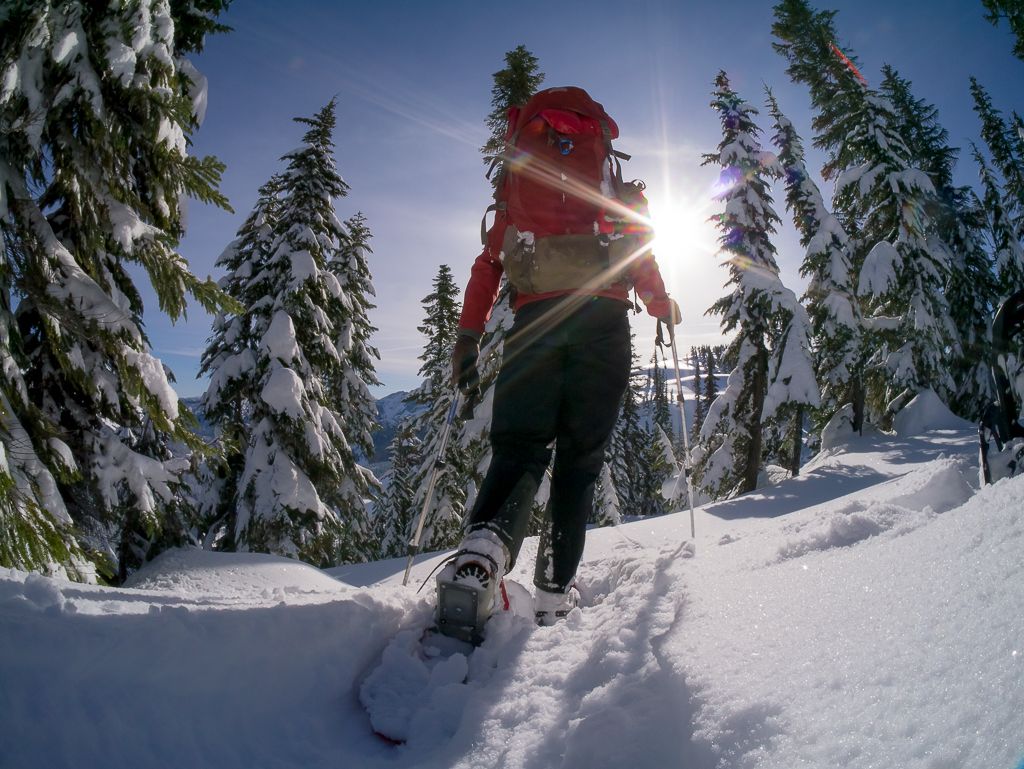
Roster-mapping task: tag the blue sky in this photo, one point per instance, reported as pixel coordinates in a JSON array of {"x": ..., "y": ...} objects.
[{"x": 413, "y": 83}]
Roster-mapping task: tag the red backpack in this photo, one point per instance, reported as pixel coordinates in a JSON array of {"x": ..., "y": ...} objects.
[{"x": 572, "y": 222}]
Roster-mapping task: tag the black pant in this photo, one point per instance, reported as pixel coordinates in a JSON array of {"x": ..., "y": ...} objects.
[{"x": 564, "y": 369}]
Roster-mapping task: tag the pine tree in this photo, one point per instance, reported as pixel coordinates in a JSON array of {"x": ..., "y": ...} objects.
[
  {"x": 662, "y": 411},
  {"x": 884, "y": 203},
  {"x": 394, "y": 514},
  {"x": 626, "y": 452},
  {"x": 301, "y": 493},
  {"x": 832, "y": 306},
  {"x": 1007, "y": 246},
  {"x": 699, "y": 406},
  {"x": 773, "y": 371},
  {"x": 713, "y": 357},
  {"x": 1006, "y": 147},
  {"x": 230, "y": 362},
  {"x": 607, "y": 507},
  {"x": 440, "y": 327},
  {"x": 350, "y": 312},
  {"x": 1013, "y": 12},
  {"x": 970, "y": 287},
  {"x": 513, "y": 87},
  {"x": 97, "y": 109}
]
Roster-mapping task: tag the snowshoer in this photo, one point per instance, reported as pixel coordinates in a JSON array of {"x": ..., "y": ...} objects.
[{"x": 572, "y": 239}]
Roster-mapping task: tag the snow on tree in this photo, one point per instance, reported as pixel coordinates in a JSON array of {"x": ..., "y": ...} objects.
[
  {"x": 474, "y": 434},
  {"x": 97, "y": 107},
  {"x": 885, "y": 205},
  {"x": 636, "y": 458},
  {"x": 625, "y": 452},
  {"x": 443, "y": 521},
  {"x": 1006, "y": 146},
  {"x": 906, "y": 263},
  {"x": 394, "y": 514},
  {"x": 1004, "y": 203},
  {"x": 230, "y": 362},
  {"x": 301, "y": 493},
  {"x": 774, "y": 372},
  {"x": 830, "y": 298},
  {"x": 959, "y": 222},
  {"x": 1007, "y": 245},
  {"x": 607, "y": 507},
  {"x": 351, "y": 316}
]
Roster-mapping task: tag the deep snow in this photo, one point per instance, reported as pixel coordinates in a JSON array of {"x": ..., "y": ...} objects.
[{"x": 869, "y": 613}]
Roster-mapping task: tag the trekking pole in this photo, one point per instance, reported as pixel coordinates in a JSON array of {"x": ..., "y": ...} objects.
[
  {"x": 414, "y": 545},
  {"x": 686, "y": 432}
]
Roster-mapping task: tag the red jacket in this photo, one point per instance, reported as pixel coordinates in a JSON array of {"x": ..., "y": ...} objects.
[{"x": 485, "y": 278}]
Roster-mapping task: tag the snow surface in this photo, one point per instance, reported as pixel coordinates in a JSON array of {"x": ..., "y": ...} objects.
[{"x": 868, "y": 613}]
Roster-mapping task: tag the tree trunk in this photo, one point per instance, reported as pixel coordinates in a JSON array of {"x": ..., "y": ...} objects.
[
  {"x": 752, "y": 466},
  {"x": 798, "y": 442}
]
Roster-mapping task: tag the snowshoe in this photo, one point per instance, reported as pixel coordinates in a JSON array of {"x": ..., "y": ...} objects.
[
  {"x": 470, "y": 588},
  {"x": 421, "y": 669}
]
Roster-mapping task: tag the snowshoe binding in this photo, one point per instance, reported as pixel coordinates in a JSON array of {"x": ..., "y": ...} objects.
[{"x": 469, "y": 587}]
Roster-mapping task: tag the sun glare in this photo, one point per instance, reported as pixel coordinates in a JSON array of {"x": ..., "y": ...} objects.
[{"x": 681, "y": 231}]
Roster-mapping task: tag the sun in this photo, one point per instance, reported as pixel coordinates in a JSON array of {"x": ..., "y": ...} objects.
[{"x": 682, "y": 230}]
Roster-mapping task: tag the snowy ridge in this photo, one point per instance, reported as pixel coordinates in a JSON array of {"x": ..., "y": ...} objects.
[{"x": 867, "y": 613}]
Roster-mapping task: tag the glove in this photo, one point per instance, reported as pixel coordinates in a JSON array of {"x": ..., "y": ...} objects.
[
  {"x": 666, "y": 310},
  {"x": 464, "y": 372}
]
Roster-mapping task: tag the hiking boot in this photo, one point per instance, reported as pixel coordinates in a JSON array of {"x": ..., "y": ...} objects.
[
  {"x": 549, "y": 607},
  {"x": 468, "y": 588}
]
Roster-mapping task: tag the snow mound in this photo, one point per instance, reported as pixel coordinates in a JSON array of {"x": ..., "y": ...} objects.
[
  {"x": 924, "y": 413},
  {"x": 898, "y": 506},
  {"x": 904, "y": 651},
  {"x": 240, "y": 575}
]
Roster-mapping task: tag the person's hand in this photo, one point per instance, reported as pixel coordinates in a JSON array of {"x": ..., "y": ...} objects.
[
  {"x": 464, "y": 372},
  {"x": 665, "y": 309}
]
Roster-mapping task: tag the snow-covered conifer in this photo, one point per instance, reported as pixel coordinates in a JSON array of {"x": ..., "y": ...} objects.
[
  {"x": 440, "y": 327},
  {"x": 970, "y": 286},
  {"x": 394, "y": 514},
  {"x": 96, "y": 110},
  {"x": 301, "y": 493},
  {"x": 774, "y": 371},
  {"x": 230, "y": 362},
  {"x": 607, "y": 507},
  {"x": 885, "y": 204},
  {"x": 625, "y": 453},
  {"x": 712, "y": 365},
  {"x": 1007, "y": 246},
  {"x": 662, "y": 410},
  {"x": 1005, "y": 146},
  {"x": 350, "y": 314},
  {"x": 831, "y": 302}
]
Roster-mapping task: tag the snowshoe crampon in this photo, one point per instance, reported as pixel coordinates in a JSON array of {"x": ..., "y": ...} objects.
[{"x": 1001, "y": 435}]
